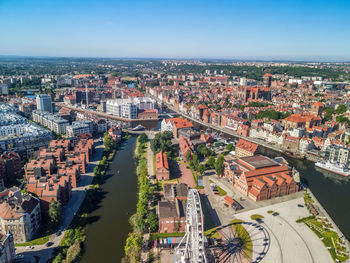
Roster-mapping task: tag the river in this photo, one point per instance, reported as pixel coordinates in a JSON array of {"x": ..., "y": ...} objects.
[{"x": 107, "y": 234}]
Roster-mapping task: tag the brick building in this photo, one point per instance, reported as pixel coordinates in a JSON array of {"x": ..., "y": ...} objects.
[
  {"x": 162, "y": 167},
  {"x": 171, "y": 216},
  {"x": 245, "y": 148},
  {"x": 10, "y": 166},
  {"x": 260, "y": 177},
  {"x": 57, "y": 169}
]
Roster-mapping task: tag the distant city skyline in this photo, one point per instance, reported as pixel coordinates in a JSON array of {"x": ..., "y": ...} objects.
[{"x": 244, "y": 30}]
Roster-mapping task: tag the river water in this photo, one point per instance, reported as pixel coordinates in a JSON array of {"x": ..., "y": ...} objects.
[{"x": 107, "y": 234}]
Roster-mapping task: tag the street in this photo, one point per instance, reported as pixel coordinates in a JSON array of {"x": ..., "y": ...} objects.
[{"x": 41, "y": 253}]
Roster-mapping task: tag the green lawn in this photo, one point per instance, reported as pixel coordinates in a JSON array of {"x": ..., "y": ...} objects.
[
  {"x": 212, "y": 233},
  {"x": 329, "y": 238},
  {"x": 221, "y": 191},
  {"x": 256, "y": 216},
  {"x": 307, "y": 198},
  {"x": 244, "y": 236},
  {"x": 35, "y": 242}
]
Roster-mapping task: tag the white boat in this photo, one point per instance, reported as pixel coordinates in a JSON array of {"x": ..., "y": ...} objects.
[
  {"x": 138, "y": 128},
  {"x": 333, "y": 168}
]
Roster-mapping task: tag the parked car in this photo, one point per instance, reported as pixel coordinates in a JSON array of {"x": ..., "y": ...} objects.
[
  {"x": 49, "y": 244},
  {"x": 29, "y": 247}
]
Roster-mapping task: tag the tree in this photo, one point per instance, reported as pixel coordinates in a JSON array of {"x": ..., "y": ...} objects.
[
  {"x": 195, "y": 161},
  {"x": 201, "y": 169},
  {"x": 211, "y": 162},
  {"x": 152, "y": 220},
  {"x": 109, "y": 143},
  {"x": 329, "y": 112},
  {"x": 230, "y": 147},
  {"x": 143, "y": 138},
  {"x": 341, "y": 109},
  {"x": 188, "y": 156},
  {"x": 219, "y": 164},
  {"x": 55, "y": 211},
  {"x": 133, "y": 247},
  {"x": 203, "y": 150}
]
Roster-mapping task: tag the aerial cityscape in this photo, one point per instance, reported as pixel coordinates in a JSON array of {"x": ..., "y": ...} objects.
[{"x": 177, "y": 132}]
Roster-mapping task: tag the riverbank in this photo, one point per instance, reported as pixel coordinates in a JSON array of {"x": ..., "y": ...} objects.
[
  {"x": 323, "y": 213},
  {"x": 145, "y": 218}
]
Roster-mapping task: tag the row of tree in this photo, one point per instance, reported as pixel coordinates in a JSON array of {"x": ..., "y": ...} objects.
[{"x": 144, "y": 220}]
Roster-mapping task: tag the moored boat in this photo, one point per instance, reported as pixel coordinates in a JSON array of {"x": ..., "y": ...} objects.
[{"x": 333, "y": 168}]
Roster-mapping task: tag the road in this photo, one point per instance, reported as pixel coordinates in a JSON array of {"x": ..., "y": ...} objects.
[
  {"x": 103, "y": 115},
  {"x": 78, "y": 194}
]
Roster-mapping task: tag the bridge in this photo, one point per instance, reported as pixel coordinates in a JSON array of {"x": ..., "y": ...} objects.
[
  {"x": 191, "y": 248},
  {"x": 104, "y": 115}
]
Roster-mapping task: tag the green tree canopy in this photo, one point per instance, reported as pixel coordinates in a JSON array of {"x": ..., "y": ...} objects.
[
  {"x": 219, "y": 164},
  {"x": 230, "y": 147},
  {"x": 152, "y": 220},
  {"x": 211, "y": 162},
  {"x": 55, "y": 211},
  {"x": 133, "y": 247},
  {"x": 201, "y": 169},
  {"x": 143, "y": 138},
  {"x": 341, "y": 109}
]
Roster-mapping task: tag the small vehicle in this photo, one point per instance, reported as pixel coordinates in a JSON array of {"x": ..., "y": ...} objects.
[
  {"x": 216, "y": 193},
  {"x": 58, "y": 233},
  {"x": 19, "y": 256},
  {"x": 49, "y": 244},
  {"x": 275, "y": 214},
  {"x": 29, "y": 247},
  {"x": 300, "y": 205}
]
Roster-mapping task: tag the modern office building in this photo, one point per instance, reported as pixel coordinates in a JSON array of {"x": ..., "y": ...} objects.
[
  {"x": 4, "y": 89},
  {"x": 44, "y": 102}
]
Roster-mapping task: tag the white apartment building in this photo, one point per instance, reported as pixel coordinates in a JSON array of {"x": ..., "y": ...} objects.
[
  {"x": 54, "y": 122},
  {"x": 79, "y": 127},
  {"x": 144, "y": 103},
  {"x": 166, "y": 126},
  {"x": 123, "y": 108}
]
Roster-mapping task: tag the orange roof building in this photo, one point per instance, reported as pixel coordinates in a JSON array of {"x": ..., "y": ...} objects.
[
  {"x": 245, "y": 148},
  {"x": 162, "y": 166},
  {"x": 260, "y": 177}
]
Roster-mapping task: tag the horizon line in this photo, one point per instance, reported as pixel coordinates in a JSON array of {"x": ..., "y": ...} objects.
[{"x": 246, "y": 59}]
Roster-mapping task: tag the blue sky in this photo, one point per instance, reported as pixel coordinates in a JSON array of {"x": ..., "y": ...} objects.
[{"x": 251, "y": 29}]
